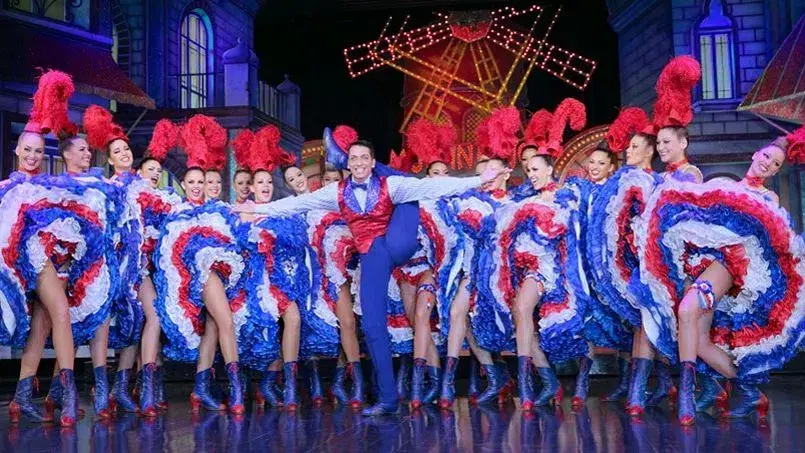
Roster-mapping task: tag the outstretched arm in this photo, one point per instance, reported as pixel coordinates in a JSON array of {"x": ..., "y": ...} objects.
[
  {"x": 325, "y": 199},
  {"x": 405, "y": 189}
]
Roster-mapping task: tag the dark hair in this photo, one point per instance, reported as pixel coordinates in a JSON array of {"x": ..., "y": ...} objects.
[
  {"x": 145, "y": 160},
  {"x": 364, "y": 143},
  {"x": 546, "y": 158},
  {"x": 427, "y": 169},
  {"x": 330, "y": 168},
  {"x": 603, "y": 146},
  {"x": 680, "y": 132},
  {"x": 65, "y": 144},
  {"x": 193, "y": 168},
  {"x": 524, "y": 146},
  {"x": 241, "y": 170},
  {"x": 650, "y": 139}
]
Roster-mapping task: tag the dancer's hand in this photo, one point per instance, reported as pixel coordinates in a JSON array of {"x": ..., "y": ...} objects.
[{"x": 490, "y": 174}]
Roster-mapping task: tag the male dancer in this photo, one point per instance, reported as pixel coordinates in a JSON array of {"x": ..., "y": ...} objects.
[{"x": 366, "y": 201}]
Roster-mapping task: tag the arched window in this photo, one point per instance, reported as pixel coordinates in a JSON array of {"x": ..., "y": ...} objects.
[
  {"x": 196, "y": 72},
  {"x": 715, "y": 37}
]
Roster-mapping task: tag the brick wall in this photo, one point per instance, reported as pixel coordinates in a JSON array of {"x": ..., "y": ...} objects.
[
  {"x": 230, "y": 20},
  {"x": 134, "y": 13}
]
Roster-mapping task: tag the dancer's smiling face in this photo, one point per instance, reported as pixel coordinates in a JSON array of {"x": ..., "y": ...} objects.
[
  {"x": 539, "y": 171},
  {"x": 30, "y": 152},
  {"x": 599, "y": 165},
  {"x": 640, "y": 151},
  {"x": 437, "y": 169},
  {"x": 193, "y": 185},
  {"x": 766, "y": 162},
  {"x": 212, "y": 185},
  {"x": 331, "y": 177},
  {"x": 262, "y": 186},
  {"x": 671, "y": 145},
  {"x": 151, "y": 171},
  {"x": 242, "y": 182},
  {"x": 120, "y": 156},
  {"x": 295, "y": 179},
  {"x": 77, "y": 156},
  {"x": 361, "y": 162}
]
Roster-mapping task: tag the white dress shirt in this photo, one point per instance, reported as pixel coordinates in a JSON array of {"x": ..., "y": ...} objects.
[{"x": 402, "y": 189}]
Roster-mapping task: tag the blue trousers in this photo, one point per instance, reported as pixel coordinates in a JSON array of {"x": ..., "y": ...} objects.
[{"x": 386, "y": 253}]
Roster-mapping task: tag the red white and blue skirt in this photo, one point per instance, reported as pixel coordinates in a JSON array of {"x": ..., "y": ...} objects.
[
  {"x": 530, "y": 243},
  {"x": 611, "y": 249},
  {"x": 760, "y": 322},
  {"x": 602, "y": 326},
  {"x": 195, "y": 242},
  {"x": 66, "y": 221}
]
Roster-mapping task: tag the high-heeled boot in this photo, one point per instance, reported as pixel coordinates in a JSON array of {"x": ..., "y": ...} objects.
[
  {"x": 236, "y": 406},
  {"x": 22, "y": 404},
  {"x": 711, "y": 394},
  {"x": 551, "y": 392},
  {"x": 687, "y": 387},
  {"x": 434, "y": 385},
  {"x": 418, "y": 382},
  {"x": 53, "y": 398},
  {"x": 622, "y": 387},
  {"x": 403, "y": 375},
  {"x": 120, "y": 396},
  {"x": 314, "y": 380},
  {"x": 665, "y": 384},
  {"x": 267, "y": 392},
  {"x": 582, "y": 383},
  {"x": 338, "y": 390},
  {"x": 495, "y": 383},
  {"x": 202, "y": 394},
  {"x": 289, "y": 393},
  {"x": 356, "y": 374},
  {"x": 101, "y": 398},
  {"x": 148, "y": 407},
  {"x": 448, "y": 393},
  {"x": 159, "y": 389},
  {"x": 525, "y": 381},
  {"x": 69, "y": 398},
  {"x": 751, "y": 400},
  {"x": 475, "y": 381},
  {"x": 636, "y": 404}
]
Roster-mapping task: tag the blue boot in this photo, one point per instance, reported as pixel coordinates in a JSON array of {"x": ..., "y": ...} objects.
[
  {"x": 316, "y": 392},
  {"x": 582, "y": 383},
  {"x": 403, "y": 374},
  {"x": 148, "y": 405},
  {"x": 289, "y": 397},
  {"x": 159, "y": 389},
  {"x": 751, "y": 400},
  {"x": 101, "y": 398},
  {"x": 687, "y": 387},
  {"x": 495, "y": 383},
  {"x": 236, "y": 406},
  {"x": 711, "y": 394},
  {"x": 120, "y": 392},
  {"x": 525, "y": 383},
  {"x": 622, "y": 387},
  {"x": 448, "y": 394},
  {"x": 338, "y": 391},
  {"x": 551, "y": 388},
  {"x": 267, "y": 392},
  {"x": 53, "y": 398},
  {"x": 418, "y": 383},
  {"x": 356, "y": 374},
  {"x": 202, "y": 394},
  {"x": 665, "y": 385},
  {"x": 434, "y": 385},
  {"x": 22, "y": 405},
  {"x": 69, "y": 398},
  {"x": 636, "y": 403},
  {"x": 475, "y": 381}
]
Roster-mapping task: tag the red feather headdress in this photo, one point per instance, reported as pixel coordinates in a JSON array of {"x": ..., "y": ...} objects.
[
  {"x": 402, "y": 161},
  {"x": 429, "y": 142},
  {"x": 630, "y": 121},
  {"x": 100, "y": 128},
  {"x": 344, "y": 136},
  {"x": 570, "y": 112},
  {"x": 204, "y": 142},
  {"x": 795, "y": 146},
  {"x": 164, "y": 138},
  {"x": 50, "y": 105},
  {"x": 261, "y": 150},
  {"x": 496, "y": 136},
  {"x": 673, "y": 106}
]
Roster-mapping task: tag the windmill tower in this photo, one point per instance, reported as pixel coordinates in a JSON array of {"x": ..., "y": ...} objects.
[{"x": 480, "y": 59}]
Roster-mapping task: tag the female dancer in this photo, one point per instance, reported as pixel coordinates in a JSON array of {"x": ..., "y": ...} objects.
[
  {"x": 52, "y": 311},
  {"x": 199, "y": 231},
  {"x": 242, "y": 184},
  {"x": 334, "y": 246},
  {"x": 474, "y": 211},
  {"x": 260, "y": 153},
  {"x": 728, "y": 317}
]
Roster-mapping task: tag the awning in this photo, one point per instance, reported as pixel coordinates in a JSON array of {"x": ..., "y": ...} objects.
[
  {"x": 25, "y": 51},
  {"x": 780, "y": 91}
]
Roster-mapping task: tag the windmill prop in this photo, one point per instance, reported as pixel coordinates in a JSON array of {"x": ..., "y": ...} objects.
[{"x": 478, "y": 58}]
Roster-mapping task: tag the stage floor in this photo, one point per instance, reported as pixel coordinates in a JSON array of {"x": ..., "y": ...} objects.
[{"x": 601, "y": 427}]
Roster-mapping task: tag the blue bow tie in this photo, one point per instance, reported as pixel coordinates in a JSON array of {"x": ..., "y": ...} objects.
[{"x": 360, "y": 185}]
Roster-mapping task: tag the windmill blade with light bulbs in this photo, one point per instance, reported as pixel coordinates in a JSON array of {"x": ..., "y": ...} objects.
[{"x": 465, "y": 64}]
